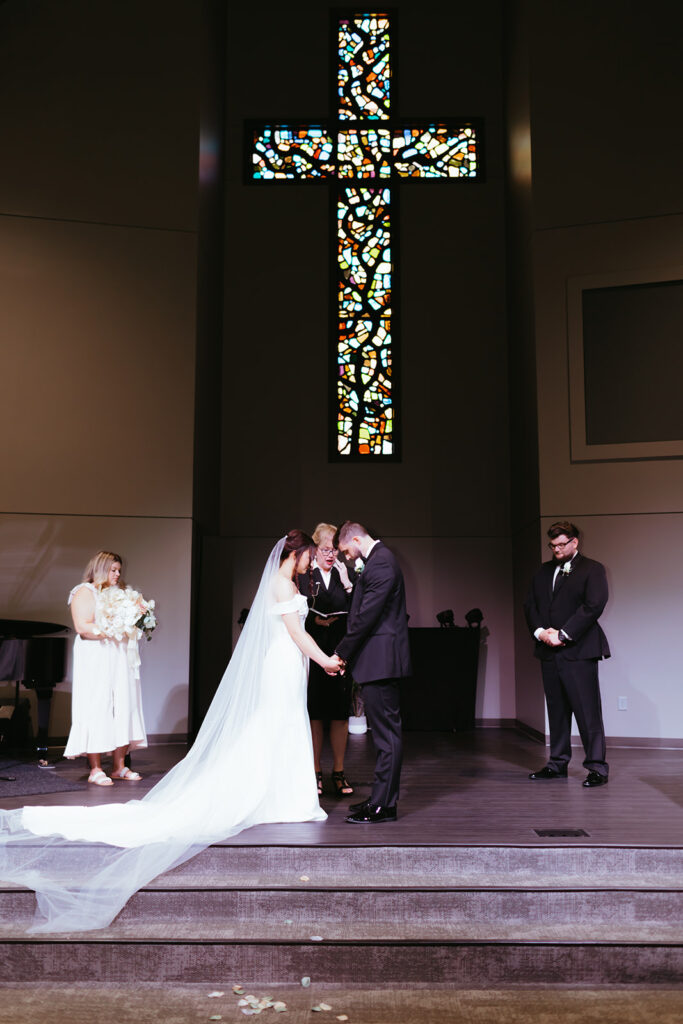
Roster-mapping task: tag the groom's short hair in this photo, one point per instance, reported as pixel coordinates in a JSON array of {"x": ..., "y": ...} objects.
[{"x": 347, "y": 530}]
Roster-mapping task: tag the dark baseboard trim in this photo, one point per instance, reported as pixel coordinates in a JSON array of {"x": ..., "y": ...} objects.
[
  {"x": 495, "y": 723},
  {"x": 528, "y": 730},
  {"x": 644, "y": 742},
  {"x": 640, "y": 742}
]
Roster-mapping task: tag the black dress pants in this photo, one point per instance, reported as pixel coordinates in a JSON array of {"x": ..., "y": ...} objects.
[
  {"x": 382, "y": 710},
  {"x": 572, "y": 687}
]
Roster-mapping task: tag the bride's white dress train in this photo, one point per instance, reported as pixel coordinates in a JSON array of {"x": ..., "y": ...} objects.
[{"x": 251, "y": 763}]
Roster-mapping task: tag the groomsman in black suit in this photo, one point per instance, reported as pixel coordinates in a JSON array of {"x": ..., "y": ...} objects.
[
  {"x": 566, "y": 599},
  {"x": 377, "y": 652}
]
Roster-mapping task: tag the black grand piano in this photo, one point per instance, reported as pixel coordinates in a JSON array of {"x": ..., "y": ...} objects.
[{"x": 33, "y": 654}]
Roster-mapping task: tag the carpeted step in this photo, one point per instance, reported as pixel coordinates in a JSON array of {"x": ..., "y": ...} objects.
[
  {"x": 461, "y": 964},
  {"x": 423, "y": 866},
  {"x": 592, "y": 915},
  {"x": 225, "y": 929},
  {"x": 382, "y": 866}
]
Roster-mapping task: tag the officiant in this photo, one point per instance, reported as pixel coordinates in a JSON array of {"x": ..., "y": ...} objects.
[{"x": 328, "y": 589}]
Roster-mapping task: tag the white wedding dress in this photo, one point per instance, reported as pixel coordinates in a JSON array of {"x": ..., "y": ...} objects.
[{"x": 251, "y": 763}]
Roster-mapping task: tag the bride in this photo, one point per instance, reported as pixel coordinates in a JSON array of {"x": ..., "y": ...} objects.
[{"x": 252, "y": 762}]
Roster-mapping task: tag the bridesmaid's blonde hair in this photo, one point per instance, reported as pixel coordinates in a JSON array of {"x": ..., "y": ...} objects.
[
  {"x": 322, "y": 528},
  {"x": 97, "y": 569}
]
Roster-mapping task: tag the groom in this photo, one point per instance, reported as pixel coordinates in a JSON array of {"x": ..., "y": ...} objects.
[{"x": 376, "y": 649}]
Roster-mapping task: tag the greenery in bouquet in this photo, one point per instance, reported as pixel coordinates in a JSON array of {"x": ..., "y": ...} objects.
[{"x": 147, "y": 621}]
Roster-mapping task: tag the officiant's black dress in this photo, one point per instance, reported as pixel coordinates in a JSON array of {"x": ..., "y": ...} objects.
[{"x": 329, "y": 697}]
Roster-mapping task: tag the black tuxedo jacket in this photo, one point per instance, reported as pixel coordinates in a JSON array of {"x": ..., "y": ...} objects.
[
  {"x": 575, "y": 605},
  {"x": 376, "y": 642}
]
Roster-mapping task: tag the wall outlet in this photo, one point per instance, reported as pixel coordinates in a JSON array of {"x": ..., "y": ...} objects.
[{"x": 623, "y": 703}]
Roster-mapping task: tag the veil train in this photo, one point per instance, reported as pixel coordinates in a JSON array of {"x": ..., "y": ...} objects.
[{"x": 85, "y": 863}]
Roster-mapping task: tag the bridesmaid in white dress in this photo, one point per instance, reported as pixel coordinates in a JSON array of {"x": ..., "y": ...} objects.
[{"x": 106, "y": 703}]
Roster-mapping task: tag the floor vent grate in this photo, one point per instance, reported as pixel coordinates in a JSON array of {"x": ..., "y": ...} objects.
[{"x": 561, "y": 833}]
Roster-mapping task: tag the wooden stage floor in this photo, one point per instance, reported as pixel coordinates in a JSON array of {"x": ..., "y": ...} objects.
[{"x": 457, "y": 789}]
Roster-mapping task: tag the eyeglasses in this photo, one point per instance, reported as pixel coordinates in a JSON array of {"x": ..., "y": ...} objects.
[
  {"x": 560, "y": 544},
  {"x": 327, "y": 551}
]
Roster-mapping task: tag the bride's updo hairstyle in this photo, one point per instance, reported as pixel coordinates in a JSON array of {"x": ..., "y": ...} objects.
[
  {"x": 297, "y": 540},
  {"x": 300, "y": 542},
  {"x": 97, "y": 569}
]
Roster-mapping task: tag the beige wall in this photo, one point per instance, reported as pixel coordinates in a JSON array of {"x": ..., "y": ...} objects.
[
  {"x": 97, "y": 326},
  {"x": 99, "y": 111},
  {"x": 98, "y": 199},
  {"x": 596, "y": 211},
  {"x": 606, "y": 88},
  {"x": 629, "y": 510}
]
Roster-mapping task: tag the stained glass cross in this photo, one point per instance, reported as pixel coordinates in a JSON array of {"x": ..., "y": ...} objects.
[{"x": 364, "y": 152}]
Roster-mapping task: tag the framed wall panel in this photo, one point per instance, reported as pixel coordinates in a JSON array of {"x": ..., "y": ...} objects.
[{"x": 625, "y": 360}]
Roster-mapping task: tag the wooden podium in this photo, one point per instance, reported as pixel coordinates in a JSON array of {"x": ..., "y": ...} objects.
[{"x": 440, "y": 695}]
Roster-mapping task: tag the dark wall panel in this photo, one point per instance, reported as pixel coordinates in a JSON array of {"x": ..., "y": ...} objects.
[{"x": 633, "y": 362}]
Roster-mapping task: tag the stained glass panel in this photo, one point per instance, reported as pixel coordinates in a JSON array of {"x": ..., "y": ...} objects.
[
  {"x": 436, "y": 151},
  {"x": 364, "y": 69},
  {"x": 366, "y": 150},
  {"x": 282, "y": 151},
  {"x": 364, "y": 153},
  {"x": 364, "y": 387}
]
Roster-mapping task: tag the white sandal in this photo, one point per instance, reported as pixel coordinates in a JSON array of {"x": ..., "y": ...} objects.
[
  {"x": 126, "y": 775},
  {"x": 98, "y": 778}
]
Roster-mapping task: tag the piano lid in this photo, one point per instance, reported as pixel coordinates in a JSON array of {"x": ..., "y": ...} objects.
[{"x": 25, "y": 629}]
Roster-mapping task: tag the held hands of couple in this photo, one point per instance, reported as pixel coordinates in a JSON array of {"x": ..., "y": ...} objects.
[{"x": 338, "y": 666}]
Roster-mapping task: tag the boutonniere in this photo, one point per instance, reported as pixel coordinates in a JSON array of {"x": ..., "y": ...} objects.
[
  {"x": 358, "y": 566},
  {"x": 566, "y": 568}
]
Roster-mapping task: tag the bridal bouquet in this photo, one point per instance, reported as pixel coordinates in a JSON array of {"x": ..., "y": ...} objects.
[{"x": 125, "y": 615}]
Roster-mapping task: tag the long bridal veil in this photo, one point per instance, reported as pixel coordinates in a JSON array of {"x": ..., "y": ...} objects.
[{"x": 84, "y": 863}]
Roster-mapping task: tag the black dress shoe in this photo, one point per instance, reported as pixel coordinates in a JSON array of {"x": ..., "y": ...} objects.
[
  {"x": 548, "y": 773},
  {"x": 362, "y": 806},
  {"x": 595, "y": 779},
  {"x": 372, "y": 815}
]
